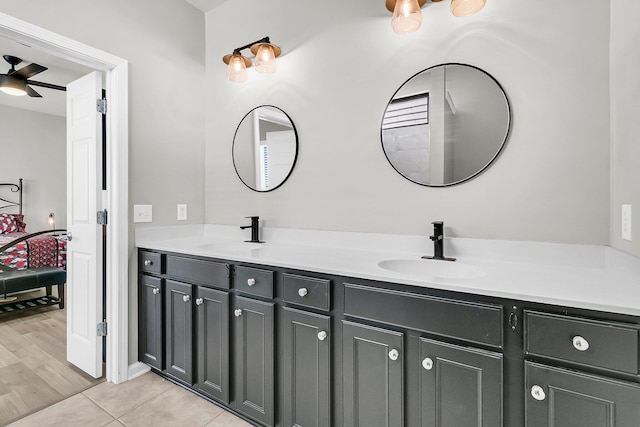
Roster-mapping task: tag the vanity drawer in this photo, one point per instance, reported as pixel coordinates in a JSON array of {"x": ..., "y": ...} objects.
[
  {"x": 474, "y": 322},
  {"x": 600, "y": 344},
  {"x": 201, "y": 272},
  {"x": 307, "y": 291},
  {"x": 150, "y": 262},
  {"x": 254, "y": 281}
]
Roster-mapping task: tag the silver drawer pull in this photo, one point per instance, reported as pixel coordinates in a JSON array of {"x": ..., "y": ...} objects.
[
  {"x": 251, "y": 282},
  {"x": 156, "y": 291},
  {"x": 199, "y": 301},
  {"x": 394, "y": 354},
  {"x": 580, "y": 343},
  {"x": 303, "y": 292},
  {"x": 322, "y": 335},
  {"x": 148, "y": 262},
  {"x": 237, "y": 312},
  {"x": 538, "y": 393},
  {"x": 427, "y": 363}
]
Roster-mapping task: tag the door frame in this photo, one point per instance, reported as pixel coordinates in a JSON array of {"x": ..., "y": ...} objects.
[{"x": 117, "y": 263}]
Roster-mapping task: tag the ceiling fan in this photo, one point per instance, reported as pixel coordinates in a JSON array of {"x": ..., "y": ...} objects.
[{"x": 17, "y": 83}]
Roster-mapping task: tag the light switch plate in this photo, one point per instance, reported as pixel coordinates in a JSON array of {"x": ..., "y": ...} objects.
[
  {"x": 182, "y": 212},
  {"x": 626, "y": 222},
  {"x": 142, "y": 213}
]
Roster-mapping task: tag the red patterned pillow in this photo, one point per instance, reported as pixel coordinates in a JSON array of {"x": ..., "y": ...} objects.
[
  {"x": 20, "y": 223},
  {"x": 8, "y": 223}
]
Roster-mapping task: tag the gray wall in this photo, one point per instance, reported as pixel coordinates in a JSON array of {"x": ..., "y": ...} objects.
[
  {"x": 341, "y": 65},
  {"x": 625, "y": 126},
  {"x": 163, "y": 40},
  {"x": 33, "y": 147}
]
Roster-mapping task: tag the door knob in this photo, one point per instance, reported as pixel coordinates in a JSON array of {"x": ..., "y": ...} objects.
[
  {"x": 394, "y": 354},
  {"x": 69, "y": 236},
  {"x": 538, "y": 393},
  {"x": 251, "y": 282},
  {"x": 322, "y": 335},
  {"x": 303, "y": 292},
  {"x": 186, "y": 298},
  {"x": 156, "y": 291},
  {"x": 237, "y": 312},
  {"x": 199, "y": 301}
]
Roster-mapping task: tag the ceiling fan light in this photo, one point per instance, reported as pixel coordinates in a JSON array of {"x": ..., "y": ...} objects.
[
  {"x": 407, "y": 16},
  {"x": 13, "y": 86},
  {"x": 462, "y": 8}
]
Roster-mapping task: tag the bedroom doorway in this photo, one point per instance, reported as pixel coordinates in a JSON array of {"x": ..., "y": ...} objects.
[{"x": 115, "y": 200}]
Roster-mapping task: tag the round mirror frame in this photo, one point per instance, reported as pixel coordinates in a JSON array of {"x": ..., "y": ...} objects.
[
  {"x": 493, "y": 158},
  {"x": 295, "y": 157}
]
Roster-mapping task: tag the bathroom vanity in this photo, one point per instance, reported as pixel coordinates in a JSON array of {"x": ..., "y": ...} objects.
[{"x": 261, "y": 331}]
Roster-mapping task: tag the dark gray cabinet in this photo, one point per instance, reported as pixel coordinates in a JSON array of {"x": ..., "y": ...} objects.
[
  {"x": 212, "y": 342},
  {"x": 562, "y": 398},
  {"x": 372, "y": 376},
  {"x": 253, "y": 360},
  {"x": 150, "y": 338},
  {"x": 307, "y": 373},
  {"x": 459, "y": 386},
  {"x": 179, "y": 327}
]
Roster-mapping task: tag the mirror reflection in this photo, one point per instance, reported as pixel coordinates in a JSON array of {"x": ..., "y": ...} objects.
[
  {"x": 265, "y": 148},
  {"x": 445, "y": 125}
]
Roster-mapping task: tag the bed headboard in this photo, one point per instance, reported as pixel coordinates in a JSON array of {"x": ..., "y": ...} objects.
[{"x": 7, "y": 200}]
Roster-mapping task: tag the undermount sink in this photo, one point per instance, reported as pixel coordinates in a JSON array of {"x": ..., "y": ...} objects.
[
  {"x": 433, "y": 269},
  {"x": 230, "y": 246}
]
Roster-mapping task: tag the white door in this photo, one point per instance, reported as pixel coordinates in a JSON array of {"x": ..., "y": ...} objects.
[
  {"x": 282, "y": 153},
  {"x": 84, "y": 249}
]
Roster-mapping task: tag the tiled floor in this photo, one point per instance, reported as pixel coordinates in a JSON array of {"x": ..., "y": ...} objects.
[{"x": 148, "y": 400}]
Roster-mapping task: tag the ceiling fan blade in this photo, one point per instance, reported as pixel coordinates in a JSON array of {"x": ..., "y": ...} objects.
[
  {"x": 30, "y": 71},
  {"x": 32, "y": 93}
]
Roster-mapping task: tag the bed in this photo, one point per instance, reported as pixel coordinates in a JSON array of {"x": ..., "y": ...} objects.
[{"x": 28, "y": 261}]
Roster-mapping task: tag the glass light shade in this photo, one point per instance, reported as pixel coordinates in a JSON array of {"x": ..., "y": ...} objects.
[
  {"x": 265, "y": 61},
  {"x": 13, "y": 86},
  {"x": 13, "y": 91},
  {"x": 407, "y": 16},
  {"x": 237, "y": 70},
  {"x": 461, "y": 8}
]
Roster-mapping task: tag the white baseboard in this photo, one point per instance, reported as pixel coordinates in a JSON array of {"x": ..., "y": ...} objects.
[{"x": 137, "y": 369}]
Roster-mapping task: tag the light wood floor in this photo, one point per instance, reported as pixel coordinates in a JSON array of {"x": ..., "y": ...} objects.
[{"x": 34, "y": 372}]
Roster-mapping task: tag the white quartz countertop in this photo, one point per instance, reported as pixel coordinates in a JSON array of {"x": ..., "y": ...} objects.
[{"x": 583, "y": 276}]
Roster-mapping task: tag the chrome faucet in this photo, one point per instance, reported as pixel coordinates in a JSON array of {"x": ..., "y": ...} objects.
[
  {"x": 438, "y": 242},
  {"x": 255, "y": 229}
]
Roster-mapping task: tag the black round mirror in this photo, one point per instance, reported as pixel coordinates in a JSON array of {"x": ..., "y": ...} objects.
[
  {"x": 445, "y": 125},
  {"x": 265, "y": 148}
]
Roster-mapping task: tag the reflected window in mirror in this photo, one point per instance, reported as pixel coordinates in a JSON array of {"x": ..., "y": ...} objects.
[
  {"x": 265, "y": 148},
  {"x": 445, "y": 125}
]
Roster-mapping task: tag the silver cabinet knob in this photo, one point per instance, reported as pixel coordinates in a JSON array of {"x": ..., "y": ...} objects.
[
  {"x": 322, "y": 335},
  {"x": 148, "y": 262},
  {"x": 186, "y": 298},
  {"x": 580, "y": 343},
  {"x": 538, "y": 393},
  {"x": 156, "y": 291},
  {"x": 427, "y": 363},
  {"x": 237, "y": 312},
  {"x": 251, "y": 282},
  {"x": 394, "y": 354},
  {"x": 199, "y": 301},
  {"x": 303, "y": 292}
]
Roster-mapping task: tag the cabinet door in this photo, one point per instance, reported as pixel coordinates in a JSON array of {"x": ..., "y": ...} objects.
[
  {"x": 372, "y": 371},
  {"x": 562, "y": 398},
  {"x": 179, "y": 324},
  {"x": 307, "y": 352},
  {"x": 459, "y": 386},
  {"x": 254, "y": 359},
  {"x": 150, "y": 348},
  {"x": 212, "y": 345}
]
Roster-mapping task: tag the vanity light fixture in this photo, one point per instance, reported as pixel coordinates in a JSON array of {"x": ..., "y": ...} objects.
[
  {"x": 407, "y": 16},
  {"x": 265, "y": 60}
]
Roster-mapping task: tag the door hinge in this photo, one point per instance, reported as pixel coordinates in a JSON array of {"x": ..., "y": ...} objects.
[
  {"x": 102, "y": 217},
  {"x": 102, "y": 329},
  {"x": 101, "y": 106}
]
